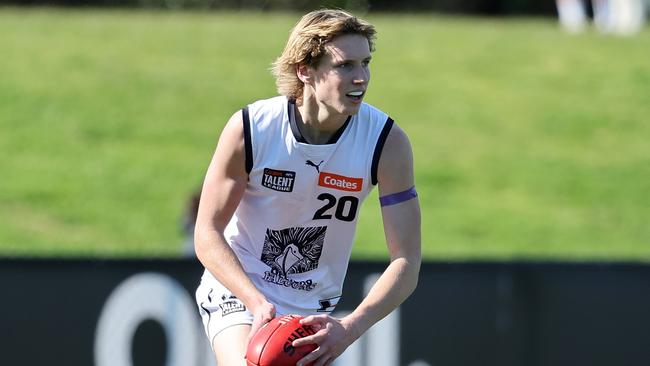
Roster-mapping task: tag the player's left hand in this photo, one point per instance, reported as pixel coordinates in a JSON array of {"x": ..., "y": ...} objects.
[{"x": 332, "y": 336}]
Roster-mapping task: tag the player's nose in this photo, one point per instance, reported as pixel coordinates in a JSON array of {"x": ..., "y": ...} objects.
[{"x": 361, "y": 75}]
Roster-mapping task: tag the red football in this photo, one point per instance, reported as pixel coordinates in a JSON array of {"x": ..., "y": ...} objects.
[{"x": 271, "y": 345}]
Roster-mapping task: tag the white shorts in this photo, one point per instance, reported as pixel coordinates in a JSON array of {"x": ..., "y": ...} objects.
[{"x": 219, "y": 308}]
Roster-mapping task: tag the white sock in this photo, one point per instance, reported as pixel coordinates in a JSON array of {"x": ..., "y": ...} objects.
[
  {"x": 572, "y": 15},
  {"x": 628, "y": 16},
  {"x": 606, "y": 15}
]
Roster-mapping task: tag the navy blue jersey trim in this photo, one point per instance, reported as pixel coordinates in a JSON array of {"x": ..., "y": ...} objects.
[
  {"x": 335, "y": 137},
  {"x": 248, "y": 146},
  {"x": 291, "y": 108},
  {"x": 378, "y": 149}
]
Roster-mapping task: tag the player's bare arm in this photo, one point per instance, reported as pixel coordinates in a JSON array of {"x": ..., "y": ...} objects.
[
  {"x": 401, "y": 218},
  {"x": 223, "y": 188}
]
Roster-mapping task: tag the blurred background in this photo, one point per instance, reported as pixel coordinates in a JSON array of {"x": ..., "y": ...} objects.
[
  {"x": 530, "y": 138},
  {"x": 528, "y": 120}
]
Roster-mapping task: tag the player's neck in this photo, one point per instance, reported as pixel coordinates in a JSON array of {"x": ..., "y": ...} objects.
[{"x": 317, "y": 123}]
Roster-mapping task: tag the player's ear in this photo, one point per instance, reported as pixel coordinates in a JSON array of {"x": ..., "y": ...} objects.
[{"x": 304, "y": 73}]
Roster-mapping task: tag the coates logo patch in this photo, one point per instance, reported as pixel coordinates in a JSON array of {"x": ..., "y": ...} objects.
[
  {"x": 335, "y": 181},
  {"x": 278, "y": 180}
]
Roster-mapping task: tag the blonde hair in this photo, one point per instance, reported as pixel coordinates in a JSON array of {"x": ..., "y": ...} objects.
[{"x": 306, "y": 45}]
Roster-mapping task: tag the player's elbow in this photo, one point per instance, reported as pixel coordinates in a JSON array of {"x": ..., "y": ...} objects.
[
  {"x": 202, "y": 239},
  {"x": 198, "y": 245},
  {"x": 207, "y": 231},
  {"x": 415, "y": 264},
  {"x": 411, "y": 274},
  {"x": 414, "y": 278}
]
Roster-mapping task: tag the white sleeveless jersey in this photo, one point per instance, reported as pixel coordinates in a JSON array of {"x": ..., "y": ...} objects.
[{"x": 294, "y": 227}]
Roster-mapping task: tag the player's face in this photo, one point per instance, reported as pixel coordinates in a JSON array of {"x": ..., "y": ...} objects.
[{"x": 341, "y": 78}]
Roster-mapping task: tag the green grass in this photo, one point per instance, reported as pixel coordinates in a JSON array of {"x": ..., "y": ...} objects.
[{"x": 529, "y": 143}]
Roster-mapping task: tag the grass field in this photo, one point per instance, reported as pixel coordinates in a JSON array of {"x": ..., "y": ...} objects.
[{"x": 529, "y": 143}]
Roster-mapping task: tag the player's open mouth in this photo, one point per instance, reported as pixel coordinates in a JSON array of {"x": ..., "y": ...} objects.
[{"x": 356, "y": 95}]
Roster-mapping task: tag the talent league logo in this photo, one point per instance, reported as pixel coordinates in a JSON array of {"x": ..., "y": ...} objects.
[
  {"x": 292, "y": 251},
  {"x": 278, "y": 180},
  {"x": 340, "y": 182}
]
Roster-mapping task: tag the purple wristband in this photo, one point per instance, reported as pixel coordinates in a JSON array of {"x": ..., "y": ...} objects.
[{"x": 398, "y": 197}]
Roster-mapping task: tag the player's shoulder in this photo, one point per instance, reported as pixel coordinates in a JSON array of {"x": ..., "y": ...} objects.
[
  {"x": 396, "y": 163},
  {"x": 269, "y": 105},
  {"x": 370, "y": 111},
  {"x": 393, "y": 138},
  {"x": 372, "y": 117},
  {"x": 266, "y": 113}
]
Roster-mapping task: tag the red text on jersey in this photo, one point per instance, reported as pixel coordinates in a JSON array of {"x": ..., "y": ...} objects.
[{"x": 335, "y": 181}]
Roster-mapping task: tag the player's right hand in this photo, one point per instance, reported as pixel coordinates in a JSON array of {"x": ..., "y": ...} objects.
[
  {"x": 262, "y": 314},
  {"x": 332, "y": 337}
]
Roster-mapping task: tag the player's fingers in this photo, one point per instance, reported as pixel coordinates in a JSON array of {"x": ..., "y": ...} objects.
[
  {"x": 256, "y": 326},
  {"x": 267, "y": 316},
  {"x": 251, "y": 334},
  {"x": 313, "y": 356},
  {"x": 313, "y": 320},
  {"x": 322, "y": 361},
  {"x": 317, "y": 338}
]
